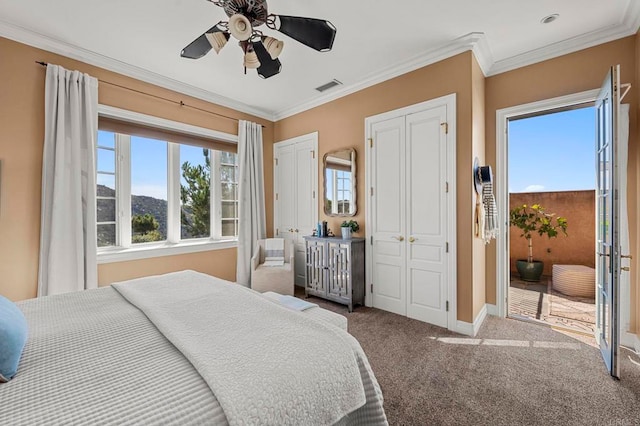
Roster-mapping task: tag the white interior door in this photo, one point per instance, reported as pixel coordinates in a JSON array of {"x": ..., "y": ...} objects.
[
  {"x": 296, "y": 189},
  {"x": 408, "y": 160},
  {"x": 426, "y": 214},
  {"x": 607, "y": 232},
  {"x": 388, "y": 215},
  {"x": 306, "y": 205}
]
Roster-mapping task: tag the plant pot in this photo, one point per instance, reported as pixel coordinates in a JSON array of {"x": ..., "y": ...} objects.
[
  {"x": 530, "y": 271},
  {"x": 346, "y": 233}
]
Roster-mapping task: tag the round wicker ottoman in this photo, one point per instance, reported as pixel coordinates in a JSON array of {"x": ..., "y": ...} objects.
[{"x": 574, "y": 280}]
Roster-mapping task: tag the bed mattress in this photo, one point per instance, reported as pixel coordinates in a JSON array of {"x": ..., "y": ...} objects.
[{"x": 93, "y": 358}]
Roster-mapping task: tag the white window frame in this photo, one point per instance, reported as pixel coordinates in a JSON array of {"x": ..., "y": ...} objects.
[
  {"x": 115, "y": 177},
  {"x": 125, "y": 250}
]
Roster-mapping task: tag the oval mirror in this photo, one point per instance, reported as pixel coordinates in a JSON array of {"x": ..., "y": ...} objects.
[{"x": 340, "y": 183}]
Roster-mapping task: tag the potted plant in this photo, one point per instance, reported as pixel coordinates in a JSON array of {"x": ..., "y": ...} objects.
[
  {"x": 348, "y": 227},
  {"x": 531, "y": 219}
]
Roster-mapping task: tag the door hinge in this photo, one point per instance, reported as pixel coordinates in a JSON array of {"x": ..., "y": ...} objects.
[
  {"x": 446, "y": 128},
  {"x": 276, "y": 161},
  {"x": 372, "y": 191},
  {"x": 370, "y": 142},
  {"x": 313, "y": 154},
  {"x": 276, "y": 196},
  {"x": 314, "y": 194},
  {"x": 372, "y": 240},
  {"x": 371, "y": 288},
  {"x": 446, "y": 247},
  {"x": 277, "y": 231},
  {"x": 447, "y": 187},
  {"x": 447, "y": 306}
]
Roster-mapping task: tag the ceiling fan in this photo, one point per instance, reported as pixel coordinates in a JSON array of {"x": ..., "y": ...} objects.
[{"x": 260, "y": 51}]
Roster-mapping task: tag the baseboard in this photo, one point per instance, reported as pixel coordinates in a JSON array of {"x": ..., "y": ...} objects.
[
  {"x": 469, "y": 329},
  {"x": 492, "y": 310}
]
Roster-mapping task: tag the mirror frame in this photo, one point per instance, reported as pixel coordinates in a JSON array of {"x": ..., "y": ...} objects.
[{"x": 354, "y": 194}]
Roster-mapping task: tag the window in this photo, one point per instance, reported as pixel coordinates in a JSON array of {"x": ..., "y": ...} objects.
[
  {"x": 148, "y": 159},
  {"x": 106, "y": 189},
  {"x": 153, "y": 193},
  {"x": 229, "y": 196}
]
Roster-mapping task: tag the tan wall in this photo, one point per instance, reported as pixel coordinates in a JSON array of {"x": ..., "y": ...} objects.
[
  {"x": 220, "y": 263},
  {"x": 340, "y": 124},
  {"x": 573, "y": 73},
  {"x": 22, "y": 130},
  {"x": 478, "y": 150},
  {"x": 577, "y": 248}
]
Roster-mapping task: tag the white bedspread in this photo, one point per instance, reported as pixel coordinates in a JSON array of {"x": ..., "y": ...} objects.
[{"x": 310, "y": 376}]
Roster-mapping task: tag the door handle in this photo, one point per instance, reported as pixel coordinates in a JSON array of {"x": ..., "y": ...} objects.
[
  {"x": 412, "y": 240},
  {"x": 290, "y": 229},
  {"x": 603, "y": 254},
  {"x": 400, "y": 238},
  {"x": 626, "y": 256},
  {"x": 296, "y": 230},
  {"x": 625, "y": 269}
]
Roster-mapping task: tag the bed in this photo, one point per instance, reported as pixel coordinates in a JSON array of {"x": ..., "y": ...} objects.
[{"x": 186, "y": 349}]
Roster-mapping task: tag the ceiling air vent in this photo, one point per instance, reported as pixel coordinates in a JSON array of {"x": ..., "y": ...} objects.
[{"x": 330, "y": 85}]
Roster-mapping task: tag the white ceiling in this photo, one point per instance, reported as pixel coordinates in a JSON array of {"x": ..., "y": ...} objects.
[{"x": 375, "y": 40}]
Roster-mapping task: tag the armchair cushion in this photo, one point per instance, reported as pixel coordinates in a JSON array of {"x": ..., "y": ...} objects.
[{"x": 279, "y": 279}]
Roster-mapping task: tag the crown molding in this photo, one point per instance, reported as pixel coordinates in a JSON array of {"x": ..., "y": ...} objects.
[
  {"x": 457, "y": 46},
  {"x": 40, "y": 41},
  {"x": 483, "y": 54},
  {"x": 475, "y": 42},
  {"x": 628, "y": 26},
  {"x": 632, "y": 16}
]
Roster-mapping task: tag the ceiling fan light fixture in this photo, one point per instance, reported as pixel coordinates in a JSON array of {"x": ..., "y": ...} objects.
[
  {"x": 251, "y": 60},
  {"x": 260, "y": 50},
  {"x": 273, "y": 46},
  {"x": 217, "y": 40},
  {"x": 240, "y": 27}
]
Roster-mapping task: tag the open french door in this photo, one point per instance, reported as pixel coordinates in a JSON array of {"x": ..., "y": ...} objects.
[{"x": 607, "y": 212}]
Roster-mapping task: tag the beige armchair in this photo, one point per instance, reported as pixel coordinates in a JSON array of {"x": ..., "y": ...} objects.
[{"x": 279, "y": 279}]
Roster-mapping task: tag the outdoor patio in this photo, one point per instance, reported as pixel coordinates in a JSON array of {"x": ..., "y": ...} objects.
[{"x": 539, "y": 301}]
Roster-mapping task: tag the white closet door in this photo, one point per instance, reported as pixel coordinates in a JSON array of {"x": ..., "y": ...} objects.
[
  {"x": 388, "y": 215},
  {"x": 296, "y": 189},
  {"x": 285, "y": 191},
  {"x": 426, "y": 216},
  {"x": 306, "y": 206}
]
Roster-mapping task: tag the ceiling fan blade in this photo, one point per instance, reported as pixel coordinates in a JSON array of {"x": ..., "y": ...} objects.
[
  {"x": 200, "y": 46},
  {"x": 318, "y": 34},
  {"x": 268, "y": 66}
]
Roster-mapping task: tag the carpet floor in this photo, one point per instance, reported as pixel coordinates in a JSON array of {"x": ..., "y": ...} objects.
[{"x": 512, "y": 373}]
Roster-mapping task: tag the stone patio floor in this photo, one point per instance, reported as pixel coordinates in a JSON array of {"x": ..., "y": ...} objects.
[{"x": 539, "y": 301}]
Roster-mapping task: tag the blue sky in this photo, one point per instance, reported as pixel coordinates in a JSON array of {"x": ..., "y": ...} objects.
[
  {"x": 553, "y": 152},
  {"x": 148, "y": 163}
]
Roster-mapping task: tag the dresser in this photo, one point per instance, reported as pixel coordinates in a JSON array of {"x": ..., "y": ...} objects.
[{"x": 335, "y": 269}]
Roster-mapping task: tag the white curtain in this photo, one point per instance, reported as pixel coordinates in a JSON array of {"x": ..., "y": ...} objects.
[
  {"x": 623, "y": 149},
  {"x": 252, "y": 223},
  {"x": 68, "y": 214}
]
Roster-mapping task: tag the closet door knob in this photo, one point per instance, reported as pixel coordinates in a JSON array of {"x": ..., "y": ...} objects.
[
  {"x": 412, "y": 240},
  {"x": 400, "y": 238}
]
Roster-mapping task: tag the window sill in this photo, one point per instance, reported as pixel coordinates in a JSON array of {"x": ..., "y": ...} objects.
[{"x": 148, "y": 251}]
